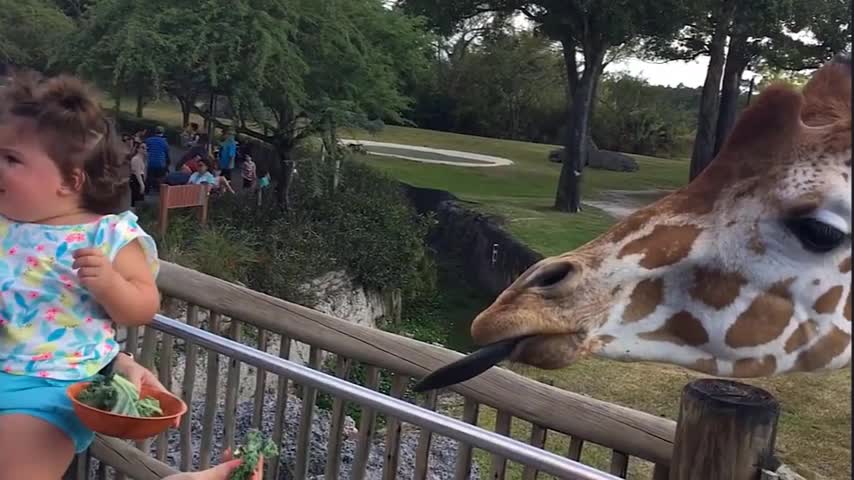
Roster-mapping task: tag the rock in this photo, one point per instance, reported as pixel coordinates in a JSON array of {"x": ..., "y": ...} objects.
[
  {"x": 602, "y": 160},
  {"x": 614, "y": 161}
]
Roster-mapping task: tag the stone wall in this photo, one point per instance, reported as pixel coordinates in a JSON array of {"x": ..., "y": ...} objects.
[{"x": 489, "y": 256}]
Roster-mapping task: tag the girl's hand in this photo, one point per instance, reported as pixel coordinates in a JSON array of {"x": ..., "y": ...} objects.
[
  {"x": 220, "y": 472},
  {"x": 139, "y": 376},
  {"x": 95, "y": 270}
]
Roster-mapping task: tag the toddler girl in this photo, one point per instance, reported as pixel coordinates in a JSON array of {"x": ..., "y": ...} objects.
[{"x": 70, "y": 266}]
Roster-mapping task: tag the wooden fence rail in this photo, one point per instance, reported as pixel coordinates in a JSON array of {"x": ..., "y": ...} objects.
[{"x": 259, "y": 320}]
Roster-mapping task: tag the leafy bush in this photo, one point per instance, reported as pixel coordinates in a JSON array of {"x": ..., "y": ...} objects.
[{"x": 364, "y": 227}]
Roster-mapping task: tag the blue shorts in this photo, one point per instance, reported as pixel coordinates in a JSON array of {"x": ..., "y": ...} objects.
[{"x": 46, "y": 399}]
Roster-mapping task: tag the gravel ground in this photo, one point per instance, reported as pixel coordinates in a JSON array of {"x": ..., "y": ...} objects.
[{"x": 442, "y": 456}]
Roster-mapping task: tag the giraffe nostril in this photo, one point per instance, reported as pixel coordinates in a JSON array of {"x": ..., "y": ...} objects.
[{"x": 552, "y": 274}]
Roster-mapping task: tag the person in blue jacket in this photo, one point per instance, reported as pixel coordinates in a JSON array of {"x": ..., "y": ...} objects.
[
  {"x": 158, "y": 159},
  {"x": 227, "y": 154}
]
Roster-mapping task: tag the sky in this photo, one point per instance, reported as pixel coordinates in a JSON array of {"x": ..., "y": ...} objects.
[{"x": 690, "y": 74}]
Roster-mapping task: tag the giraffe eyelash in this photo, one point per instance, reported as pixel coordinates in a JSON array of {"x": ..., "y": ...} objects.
[{"x": 832, "y": 219}]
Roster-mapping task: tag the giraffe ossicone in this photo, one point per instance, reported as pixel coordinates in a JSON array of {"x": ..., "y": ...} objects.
[{"x": 744, "y": 272}]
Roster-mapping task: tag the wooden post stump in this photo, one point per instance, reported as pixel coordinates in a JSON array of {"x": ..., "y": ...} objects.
[{"x": 726, "y": 430}]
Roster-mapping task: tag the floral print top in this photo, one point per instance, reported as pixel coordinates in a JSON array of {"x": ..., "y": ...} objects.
[{"x": 50, "y": 326}]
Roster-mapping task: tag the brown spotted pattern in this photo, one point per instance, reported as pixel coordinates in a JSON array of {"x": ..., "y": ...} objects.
[
  {"x": 665, "y": 245},
  {"x": 828, "y": 302},
  {"x": 754, "y": 367},
  {"x": 764, "y": 320},
  {"x": 706, "y": 365},
  {"x": 846, "y": 311},
  {"x": 823, "y": 351},
  {"x": 681, "y": 329},
  {"x": 716, "y": 288},
  {"x": 644, "y": 299},
  {"x": 801, "y": 335},
  {"x": 845, "y": 266}
]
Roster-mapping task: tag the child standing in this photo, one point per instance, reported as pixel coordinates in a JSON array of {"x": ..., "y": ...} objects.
[
  {"x": 71, "y": 266},
  {"x": 248, "y": 172},
  {"x": 138, "y": 165}
]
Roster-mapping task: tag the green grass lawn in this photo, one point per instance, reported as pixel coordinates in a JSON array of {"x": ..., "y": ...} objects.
[
  {"x": 524, "y": 192},
  {"x": 815, "y": 425}
]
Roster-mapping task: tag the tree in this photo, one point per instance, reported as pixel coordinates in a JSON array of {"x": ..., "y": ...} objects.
[
  {"x": 589, "y": 26},
  {"x": 738, "y": 35},
  {"x": 32, "y": 30},
  {"x": 326, "y": 65},
  {"x": 121, "y": 44}
]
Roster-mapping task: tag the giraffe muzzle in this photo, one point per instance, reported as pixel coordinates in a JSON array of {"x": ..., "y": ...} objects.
[{"x": 469, "y": 366}]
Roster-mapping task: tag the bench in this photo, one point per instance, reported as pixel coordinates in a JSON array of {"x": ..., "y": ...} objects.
[{"x": 182, "y": 196}]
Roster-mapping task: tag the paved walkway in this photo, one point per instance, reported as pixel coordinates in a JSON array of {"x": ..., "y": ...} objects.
[{"x": 430, "y": 155}]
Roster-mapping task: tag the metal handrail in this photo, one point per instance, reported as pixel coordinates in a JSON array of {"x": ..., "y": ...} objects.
[{"x": 510, "y": 448}]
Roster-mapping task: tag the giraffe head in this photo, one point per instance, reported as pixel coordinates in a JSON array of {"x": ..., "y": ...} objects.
[{"x": 745, "y": 272}]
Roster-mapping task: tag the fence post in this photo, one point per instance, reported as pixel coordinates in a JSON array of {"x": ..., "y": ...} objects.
[{"x": 726, "y": 429}]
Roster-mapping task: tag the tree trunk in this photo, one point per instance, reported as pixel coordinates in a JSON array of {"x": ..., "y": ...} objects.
[
  {"x": 117, "y": 93},
  {"x": 736, "y": 63},
  {"x": 571, "y": 68},
  {"x": 186, "y": 106},
  {"x": 140, "y": 97},
  {"x": 568, "y": 196},
  {"x": 704, "y": 142}
]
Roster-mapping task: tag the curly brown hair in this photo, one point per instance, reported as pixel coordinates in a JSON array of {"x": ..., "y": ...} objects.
[{"x": 78, "y": 135}]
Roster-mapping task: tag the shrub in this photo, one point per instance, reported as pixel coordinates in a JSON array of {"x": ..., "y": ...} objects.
[{"x": 365, "y": 227}]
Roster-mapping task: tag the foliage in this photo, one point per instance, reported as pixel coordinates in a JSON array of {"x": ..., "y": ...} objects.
[
  {"x": 366, "y": 228},
  {"x": 114, "y": 393},
  {"x": 32, "y": 31},
  {"x": 635, "y": 117},
  {"x": 253, "y": 449}
]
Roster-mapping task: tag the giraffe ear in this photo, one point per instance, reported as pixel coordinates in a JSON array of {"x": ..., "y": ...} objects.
[
  {"x": 769, "y": 125},
  {"x": 827, "y": 96}
]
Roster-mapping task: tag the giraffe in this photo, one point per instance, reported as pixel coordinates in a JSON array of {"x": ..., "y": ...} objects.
[{"x": 745, "y": 272}]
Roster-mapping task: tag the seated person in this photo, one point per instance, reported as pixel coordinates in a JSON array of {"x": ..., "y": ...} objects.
[
  {"x": 191, "y": 166},
  {"x": 202, "y": 176}
]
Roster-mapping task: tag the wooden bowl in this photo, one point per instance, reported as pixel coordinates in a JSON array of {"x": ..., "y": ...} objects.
[{"x": 123, "y": 426}]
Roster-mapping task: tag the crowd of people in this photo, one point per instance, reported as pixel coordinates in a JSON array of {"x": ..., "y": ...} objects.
[{"x": 203, "y": 163}]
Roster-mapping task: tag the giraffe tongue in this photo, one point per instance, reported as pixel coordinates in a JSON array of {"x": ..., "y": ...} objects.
[{"x": 469, "y": 366}]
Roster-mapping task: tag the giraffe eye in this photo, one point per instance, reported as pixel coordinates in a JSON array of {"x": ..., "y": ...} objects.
[{"x": 815, "y": 235}]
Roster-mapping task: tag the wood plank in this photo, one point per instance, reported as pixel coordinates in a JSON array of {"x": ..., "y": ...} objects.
[
  {"x": 101, "y": 473},
  {"x": 232, "y": 383},
  {"x": 635, "y": 433},
  {"x": 336, "y": 429},
  {"x": 211, "y": 391},
  {"x": 146, "y": 359},
  {"x": 425, "y": 440},
  {"x": 126, "y": 459},
  {"x": 575, "y": 446},
  {"x": 165, "y": 374},
  {"x": 260, "y": 383},
  {"x": 538, "y": 439},
  {"x": 660, "y": 472},
  {"x": 399, "y": 382},
  {"x": 367, "y": 424},
  {"x": 619, "y": 464},
  {"x": 309, "y": 397},
  {"x": 498, "y": 466},
  {"x": 462, "y": 469},
  {"x": 132, "y": 342},
  {"x": 187, "y": 392},
  {"x": 272, "y": 470},
  {"x": 149, "y": 345}
]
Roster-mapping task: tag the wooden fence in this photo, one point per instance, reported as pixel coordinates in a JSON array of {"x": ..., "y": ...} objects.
[{"x": 262, "y": 321}]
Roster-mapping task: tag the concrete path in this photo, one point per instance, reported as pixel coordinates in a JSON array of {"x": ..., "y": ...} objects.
[{"x": 430, "y": 155}]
